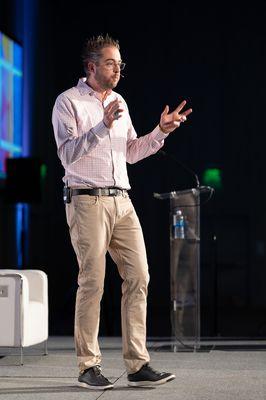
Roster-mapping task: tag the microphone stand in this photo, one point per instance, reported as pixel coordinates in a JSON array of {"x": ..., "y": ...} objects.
[
  {"x": 201, "y": 189},
  {"x": 185, "y": 167}
]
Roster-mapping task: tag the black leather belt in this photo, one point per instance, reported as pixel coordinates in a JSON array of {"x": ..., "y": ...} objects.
[{"x": 99, "y": 192}]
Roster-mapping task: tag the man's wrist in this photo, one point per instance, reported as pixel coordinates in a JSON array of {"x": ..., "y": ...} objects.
[
  {"x": 105, "y": 124},
  {"x": 163, "y": 130}
]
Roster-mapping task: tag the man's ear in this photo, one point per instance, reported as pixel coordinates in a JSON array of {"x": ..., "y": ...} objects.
[{"x": 91, "y": 67}]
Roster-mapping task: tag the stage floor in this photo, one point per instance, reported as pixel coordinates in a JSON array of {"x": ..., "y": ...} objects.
[{"x": 220, "y": 371}]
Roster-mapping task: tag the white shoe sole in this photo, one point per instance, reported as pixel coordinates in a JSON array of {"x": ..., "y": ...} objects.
[
  {"x": 151, "y": 383},
  {"x": 85, "y": 385}
]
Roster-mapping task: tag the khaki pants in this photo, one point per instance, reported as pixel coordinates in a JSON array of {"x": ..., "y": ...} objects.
[{"x": 99, "y": 224}]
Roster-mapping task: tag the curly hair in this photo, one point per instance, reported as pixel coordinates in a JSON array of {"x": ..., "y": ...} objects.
[{"x": 93, "y": 47}]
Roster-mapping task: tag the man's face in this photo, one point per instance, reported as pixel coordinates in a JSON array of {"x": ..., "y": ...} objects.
[{"x": 107, "y": 73}]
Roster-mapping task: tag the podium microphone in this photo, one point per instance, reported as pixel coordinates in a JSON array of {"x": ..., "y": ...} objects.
[{"x": 195, "y": 176}]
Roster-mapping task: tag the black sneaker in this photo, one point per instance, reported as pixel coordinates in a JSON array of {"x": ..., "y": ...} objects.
[
  {"x": 92, "y": 378},
  {"x": 147, "y": 376}
]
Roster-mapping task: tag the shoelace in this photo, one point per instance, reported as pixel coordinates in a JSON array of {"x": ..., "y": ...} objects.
[
  {"x": 97, "y": 369},
  {"x": 152, "y": 369}
]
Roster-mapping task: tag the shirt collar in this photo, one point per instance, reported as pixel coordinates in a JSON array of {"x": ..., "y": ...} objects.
[{"x": 84, "y": 88}]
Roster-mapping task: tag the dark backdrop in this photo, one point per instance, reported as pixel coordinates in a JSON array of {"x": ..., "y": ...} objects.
[{"x": 214, "y": 57}]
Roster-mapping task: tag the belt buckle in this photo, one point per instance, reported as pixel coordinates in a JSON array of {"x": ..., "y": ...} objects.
[{"x": 112, "y": 192}]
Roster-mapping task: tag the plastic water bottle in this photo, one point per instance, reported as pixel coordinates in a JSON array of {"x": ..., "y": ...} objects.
[{"x": 178, "y": 225}]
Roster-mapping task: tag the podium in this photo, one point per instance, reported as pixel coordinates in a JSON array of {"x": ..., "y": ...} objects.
[{"x": 184, "y": 223}]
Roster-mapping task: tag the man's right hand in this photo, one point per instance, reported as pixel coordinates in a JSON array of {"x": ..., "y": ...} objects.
[{"x": 112, "y": 112}]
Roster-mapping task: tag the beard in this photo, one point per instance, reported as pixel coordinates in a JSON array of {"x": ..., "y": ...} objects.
[{"x": 106, "y": 83}]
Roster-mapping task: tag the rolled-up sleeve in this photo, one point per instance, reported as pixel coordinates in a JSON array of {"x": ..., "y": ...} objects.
[{"x": 70, "y": 146}]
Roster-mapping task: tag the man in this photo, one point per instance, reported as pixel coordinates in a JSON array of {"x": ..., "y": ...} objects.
[{"x": 95, "y": 138}]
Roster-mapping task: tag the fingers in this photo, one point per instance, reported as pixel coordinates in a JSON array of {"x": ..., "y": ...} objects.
[
  {"x": 169, "y": 122},
  {"x": 181, "y": 106},
  {"x": 112, "y": 112},
  {"x": 176, "y": 113},
  {"x": 187, "y": 112},
  {"x": 182, "y": 117},
  {"x": 113, "y": 107},
  {"x": 166, "y": 110}
]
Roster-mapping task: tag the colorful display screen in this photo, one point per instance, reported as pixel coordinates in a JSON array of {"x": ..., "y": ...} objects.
[{"x": 11, "y": 78}]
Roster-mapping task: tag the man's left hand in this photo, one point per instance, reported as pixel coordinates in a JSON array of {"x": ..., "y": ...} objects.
[{"x": 170, "y": 121}]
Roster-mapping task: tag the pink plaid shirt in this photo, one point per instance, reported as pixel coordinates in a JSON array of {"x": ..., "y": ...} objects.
[{"x": 92, "y": 154}]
